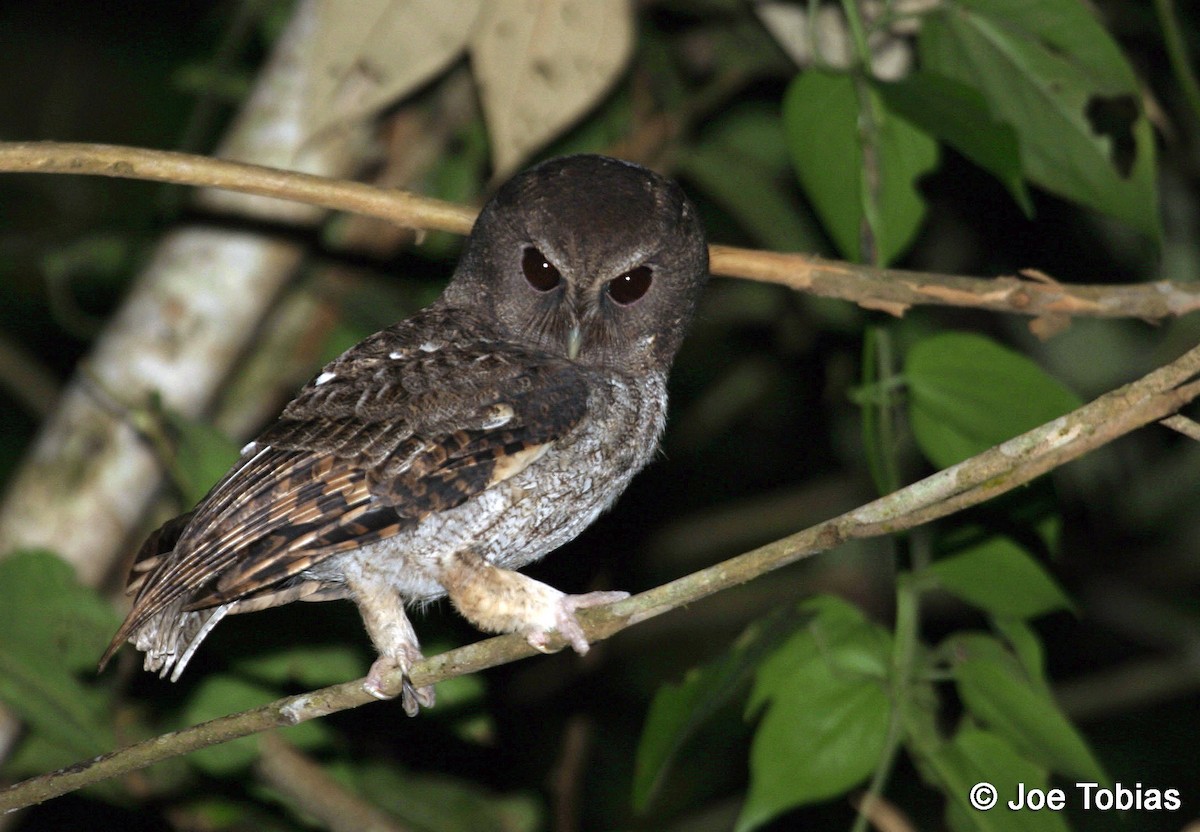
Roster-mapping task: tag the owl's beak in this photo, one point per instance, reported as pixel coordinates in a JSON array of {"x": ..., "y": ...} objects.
[{"x": 574, "y": 341}]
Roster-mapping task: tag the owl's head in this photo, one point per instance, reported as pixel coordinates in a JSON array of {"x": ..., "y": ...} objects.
[{"x": 587, "y": 257}]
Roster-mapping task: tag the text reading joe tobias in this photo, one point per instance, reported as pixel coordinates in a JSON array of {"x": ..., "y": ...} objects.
[{"x": 1090, "y": 796}]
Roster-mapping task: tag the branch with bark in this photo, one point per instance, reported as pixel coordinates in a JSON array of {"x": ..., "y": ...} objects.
[
  {"x": 1153, "y": 398},
  {"x": 1031, "y": 293}
]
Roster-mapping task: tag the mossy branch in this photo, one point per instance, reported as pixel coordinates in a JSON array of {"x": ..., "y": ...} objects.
[{"x": 1152, "y": 398}]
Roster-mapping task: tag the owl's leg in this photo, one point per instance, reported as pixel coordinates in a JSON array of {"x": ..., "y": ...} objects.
[
  {"x": 383, "y": 614},
  {"x": 500, "y": 600}
]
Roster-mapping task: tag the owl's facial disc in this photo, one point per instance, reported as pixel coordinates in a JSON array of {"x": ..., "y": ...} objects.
[
  {"x": 553, "y": 300},
  {"x": 579, "y": 292},
  {"x": 585, "y": 256}
]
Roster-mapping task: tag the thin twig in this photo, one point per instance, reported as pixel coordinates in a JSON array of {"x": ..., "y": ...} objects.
[
  {"x": 570, "y": 773},
  {"x": 28, "y": 380},
  {"x": 889, "y": 290},
  {"x": 1135, "y": 685},
  {"x": 1188, "y": 427},
  {"x": 312, "y": 789},
  {"x": 973, "y": 481},
  {"x": 884, "y": 815}
]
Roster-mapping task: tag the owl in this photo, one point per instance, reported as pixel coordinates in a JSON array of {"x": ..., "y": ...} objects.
[{"x": 442, "y": 454}]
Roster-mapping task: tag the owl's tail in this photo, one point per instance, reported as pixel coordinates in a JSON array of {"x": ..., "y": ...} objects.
[
  {"x": 168, "y": 635},
  {"x": 171, "y": 637}
]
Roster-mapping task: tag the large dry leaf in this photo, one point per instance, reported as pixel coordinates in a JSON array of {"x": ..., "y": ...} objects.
[
  {"x": 541, "y": 64},
  {"x": 374, "y": 52}
]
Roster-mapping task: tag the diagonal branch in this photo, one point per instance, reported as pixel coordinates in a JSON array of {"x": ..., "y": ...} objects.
[
  {"x": 890, "y": 290},
  {"x": 317, "y": 793},
  {"x": 995, "y": 471}
]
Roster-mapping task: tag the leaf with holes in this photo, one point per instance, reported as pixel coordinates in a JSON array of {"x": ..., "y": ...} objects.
[{"x": 1052, "y": 72}]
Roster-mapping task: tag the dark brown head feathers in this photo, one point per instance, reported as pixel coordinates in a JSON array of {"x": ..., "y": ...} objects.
[{"x": 594, "y": 219}]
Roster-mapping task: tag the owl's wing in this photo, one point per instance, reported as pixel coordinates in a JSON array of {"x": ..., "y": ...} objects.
[{"x": 416, "y": 420}]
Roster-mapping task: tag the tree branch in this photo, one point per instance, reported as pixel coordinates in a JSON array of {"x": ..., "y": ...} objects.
[
  {"x": 993, "y": 472},
  {"x": 890, "y": 290},
  {"x": 311, "y": 788},
  {"x": 398, "y": 206},
  {"x": 895, "y": 290}
]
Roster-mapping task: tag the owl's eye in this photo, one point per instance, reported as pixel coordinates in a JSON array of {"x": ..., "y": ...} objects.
[
  {"x": 539, "y": 271},
  {"x": 629, "y": 287}
]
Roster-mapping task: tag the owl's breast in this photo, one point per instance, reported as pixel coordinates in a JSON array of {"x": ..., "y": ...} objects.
[
  {"x": 525, "y": 517},
  {"x": 586, "y": 471}
]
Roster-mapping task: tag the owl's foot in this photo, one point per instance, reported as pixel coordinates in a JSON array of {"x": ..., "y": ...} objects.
[
  {"x": 498, "y": 600},
  {"x": 412, "y": 698},
  {"x": 567, "y": 623},
  {"x": 382, "y": 610}
]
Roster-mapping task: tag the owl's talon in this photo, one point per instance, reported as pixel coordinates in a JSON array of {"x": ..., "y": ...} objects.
[
  {"x": 538, "y": 640},
  {"x": 412, "y": 698},
  {"x": 567, "y": 623}
]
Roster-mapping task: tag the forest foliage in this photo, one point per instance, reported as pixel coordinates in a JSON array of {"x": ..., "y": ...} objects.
[{"x": 1037, "y": 639}]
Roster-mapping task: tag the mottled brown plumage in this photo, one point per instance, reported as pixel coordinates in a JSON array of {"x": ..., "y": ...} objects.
[{"x": 442, "y": 453}]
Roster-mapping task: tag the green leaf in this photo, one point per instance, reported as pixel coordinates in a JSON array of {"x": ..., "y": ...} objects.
[
  {"x": 959, "y": 116},
  {"x": 1002, "y": 578},
  {"x": 1026, "y": 646},
  {"x": 997, "y": 691},
  {"x": 678, "y": 710},
  {"x": 45, "y": 608},
  {"x": 1052, "y": 72},
  {"x": 51, "y": 629},
  {"x": 221, "y": 695},
  {"x": 1049, "y": 531},
  {"x": 857, "y": 160},
  {"x": 738, "y": 162},
  {"x": 968, "y": 393},
  {"x": 825, "y": 712},
  {"x": 979, "y": 756}
]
